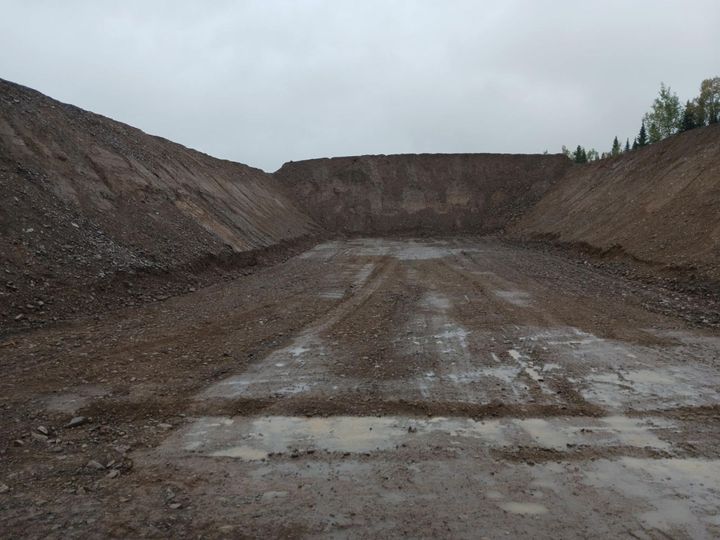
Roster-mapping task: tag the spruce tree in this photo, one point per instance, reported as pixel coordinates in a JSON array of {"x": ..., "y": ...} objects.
[
  {"x": 642, "y": 139},
  {"x": 688, "y": 118},
  {"x": 627, "y": 145},
  {"x": 580, "y": 155},
  {"x": 615, "y": 147}
]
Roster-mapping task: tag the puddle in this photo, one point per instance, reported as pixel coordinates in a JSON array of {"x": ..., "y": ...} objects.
[
  {"x": 254, "y": 439},
  {"x": 678, "y": 494},
  {"x": 611, "y": 431},
  {"x": 523, "y": 508},
  {"x": 246, "y": 453},
  {"x": 409, "y": 250}
]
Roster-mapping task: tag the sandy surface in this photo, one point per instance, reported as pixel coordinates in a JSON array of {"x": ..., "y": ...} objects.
[{"x": 454, "y": 387}]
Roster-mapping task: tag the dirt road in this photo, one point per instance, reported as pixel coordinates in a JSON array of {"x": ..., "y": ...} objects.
[{"x": 453, "y": 387}]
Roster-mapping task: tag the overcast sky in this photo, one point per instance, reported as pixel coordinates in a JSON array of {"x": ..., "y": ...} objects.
[{"x": 264, "y": 82}]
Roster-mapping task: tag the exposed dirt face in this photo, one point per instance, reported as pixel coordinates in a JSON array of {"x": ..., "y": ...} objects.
[
  {"x": 371, "y": 387},
  {"x": 87, "y": 203},
  {"x": 659, "y": 205},
  {"x": 445, "y": 386},
  {"x": 435, "y": 193}
]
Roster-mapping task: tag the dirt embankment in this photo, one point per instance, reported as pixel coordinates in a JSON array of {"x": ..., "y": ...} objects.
[
  {"x": 436, "y": 193},
  {"x": 88, "y": 204},
  {"x": 659, "y": 206}
]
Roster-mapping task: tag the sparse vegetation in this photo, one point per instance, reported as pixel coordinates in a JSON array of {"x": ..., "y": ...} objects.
[{"x": 665, "y": 118}]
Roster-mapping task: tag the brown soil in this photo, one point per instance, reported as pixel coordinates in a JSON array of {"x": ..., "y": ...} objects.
[
  {"x": 418, "y": 330},
  {"x": 658, "y": 206},
  {"x": 185, "y": 353},
  {"x": 431, "y": 193},
  {"x": 96, "y": 214}
]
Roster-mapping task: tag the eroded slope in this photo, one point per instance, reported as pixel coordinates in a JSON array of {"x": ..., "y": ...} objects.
[
  {"x": 660, "y": 204},
  {"x": 437, "y": 193},
  {"x": 83, "y": 198}
]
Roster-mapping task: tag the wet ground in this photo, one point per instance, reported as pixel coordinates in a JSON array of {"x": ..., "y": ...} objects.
[{"x": 374, "y": 387}]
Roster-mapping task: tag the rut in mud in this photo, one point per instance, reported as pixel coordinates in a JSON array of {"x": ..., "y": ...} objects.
[{"x": 427, "y": 387}]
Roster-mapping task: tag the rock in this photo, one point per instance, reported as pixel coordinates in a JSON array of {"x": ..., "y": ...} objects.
[
  {"x": 165, "y": 426},
  {"x": 175, "y": 506},
  {"x": 43, "y": 430},
  {"x": 4, "y": 488},
  {"x": 113, "y": 474},
  {"x": 93, "y": 464},
  {"x": 76, "y": 421}
]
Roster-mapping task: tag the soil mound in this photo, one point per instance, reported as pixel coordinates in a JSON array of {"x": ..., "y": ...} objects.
[
  {"x": 659, "y": 205},
  {"x": 434, "y": 193},
  {"x": 85, "y": 200}
]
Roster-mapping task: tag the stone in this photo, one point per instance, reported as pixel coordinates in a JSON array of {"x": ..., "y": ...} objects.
[
  {"x": 76, "y": 421},
  {"x": 4, "y": 488},
  {"x": 93, "y": 464},
  {"x": 113, "y": 474}
]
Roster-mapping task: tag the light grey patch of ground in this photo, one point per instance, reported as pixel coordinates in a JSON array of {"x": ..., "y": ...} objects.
[
  {"x": 257, "y": 438},
  {"x": 75, "y": 398},
  {"x": 514, "y": 297},
  {"x": 324, "y": 251},
  {"x": 619, "y": 375},
  {"x": 410, "y": 250},
  {"x": 643, "y": 389},
  {"x": 679, "y": 496}
]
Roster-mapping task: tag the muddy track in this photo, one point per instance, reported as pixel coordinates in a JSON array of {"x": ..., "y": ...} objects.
[{"x": 449, "y": 387}]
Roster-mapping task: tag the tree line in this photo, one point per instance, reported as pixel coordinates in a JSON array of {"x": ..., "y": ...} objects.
[{"x": 666, "y": 117}]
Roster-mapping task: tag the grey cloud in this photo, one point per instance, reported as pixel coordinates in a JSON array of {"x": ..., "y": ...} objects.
[{"x": 264, "y": 82}]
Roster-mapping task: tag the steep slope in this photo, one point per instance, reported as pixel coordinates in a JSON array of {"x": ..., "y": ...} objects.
[
  {"x": 660, "y": 204},
  {"x": 84, "y": 198},
  {"x": 427, "y": 192}
]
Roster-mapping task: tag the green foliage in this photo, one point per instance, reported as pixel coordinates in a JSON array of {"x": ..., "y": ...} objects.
[
  {"x": 642, "y": 139},
  {"x": 689, "y": 117},
  {"x": 664, "y": 117},
  {"x": 580, "y": 156},
  {"x": 708, "y": 102}
]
